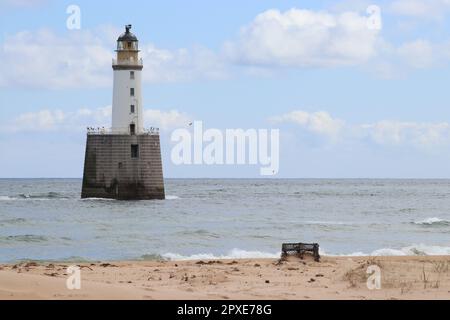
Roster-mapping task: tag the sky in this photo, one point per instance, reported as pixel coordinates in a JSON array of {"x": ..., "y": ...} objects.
[{"x": 350, "y": 101}]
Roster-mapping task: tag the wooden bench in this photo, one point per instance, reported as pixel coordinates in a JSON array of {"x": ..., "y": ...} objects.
[{"x": 300, "y": 249}]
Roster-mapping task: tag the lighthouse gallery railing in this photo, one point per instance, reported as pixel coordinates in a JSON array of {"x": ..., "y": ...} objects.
[
  {"x": 130, "y": 62},
  {"x": 110, "y": 131}
]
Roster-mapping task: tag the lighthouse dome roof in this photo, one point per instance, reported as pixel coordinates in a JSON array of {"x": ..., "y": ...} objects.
[{"x": 127, "y": 36}]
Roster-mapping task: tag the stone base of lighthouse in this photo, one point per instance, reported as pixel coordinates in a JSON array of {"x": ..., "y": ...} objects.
[{"x": 123, "y": 167}]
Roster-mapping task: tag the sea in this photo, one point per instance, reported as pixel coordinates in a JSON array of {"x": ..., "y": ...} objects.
[{"x": 45, "y": 219}]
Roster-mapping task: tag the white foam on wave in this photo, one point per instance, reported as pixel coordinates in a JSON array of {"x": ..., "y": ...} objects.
[
  {"x": 432, "y": 221},
  {"x": 169, "y": 197},
  {"x": 338, "y": 223},
  {"x": 7, "y": 198},
  {"x": 233, "y": 254},
  {"x": 414, "y": 250}
]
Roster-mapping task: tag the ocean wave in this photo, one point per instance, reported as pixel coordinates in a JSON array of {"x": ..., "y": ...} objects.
[
  {"x": 199, "y": 232},
  {"x": 12, "y": 221},
  {"x": 24, "y": 238},
  {"x": 433, "y": 222},
  {"x": 232, "y": 254},
  {"x": 46, "y": 195},
  {"x": 169, "y": 197},
  {"x": 414, "y": 250},
  {"x": 71, "y": 259},
  {"x": 337, "y": 223},
  {"x": 37, "y": 196}
]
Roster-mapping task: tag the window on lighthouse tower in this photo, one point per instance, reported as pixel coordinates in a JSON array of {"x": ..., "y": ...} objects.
[
  {"x": 132, "y": 92},
  {"x": 132, "y": 75},
  {"x": 134, "y": 151}
]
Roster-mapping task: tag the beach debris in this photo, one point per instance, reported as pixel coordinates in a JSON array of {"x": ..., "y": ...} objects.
[
  {"x": 107, "y": 265},
  {"x": 267, "y": 281},
  {"x": 87, "y": 267},
  {"x": 312, "y": 280},
  {"x": 300, "y": 249},
  {"x": 257, "y": 265},
  {"x": 201, "y": 262},
  {"x": 232, "y": 262},
  {"x": 279, "y": 262},
  {"x": 30, "y": 264},
  {"x": 319, "y": 275}
]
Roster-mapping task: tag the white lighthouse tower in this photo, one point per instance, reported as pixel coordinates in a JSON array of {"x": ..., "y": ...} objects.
[{"x": 127, "y": 113}]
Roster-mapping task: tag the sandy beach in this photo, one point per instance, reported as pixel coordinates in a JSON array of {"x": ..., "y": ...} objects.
[{"x": 418, "y": 277}]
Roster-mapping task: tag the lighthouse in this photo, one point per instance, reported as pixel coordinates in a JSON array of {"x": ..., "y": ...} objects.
[{"x": 124, "y": 162}]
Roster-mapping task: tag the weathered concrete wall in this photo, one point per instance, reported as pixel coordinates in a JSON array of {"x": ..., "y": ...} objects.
[{"x": 111, "y": 172}]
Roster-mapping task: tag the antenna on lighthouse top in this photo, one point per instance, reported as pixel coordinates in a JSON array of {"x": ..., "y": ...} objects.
[{"x": 127, "y": 28}]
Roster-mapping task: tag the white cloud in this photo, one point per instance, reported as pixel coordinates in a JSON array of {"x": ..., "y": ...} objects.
[
  {"x": 418, "y": 54},
  {"x": 433, "y": 9},
  {"x": 163, "y": 65},
  {"x": 398, "y": 61},
  {"x": 21, "y": 3},
  {"x": 294, "y": 38},
  {"x": 58, "y": 120},
  {"x": 408, "y": 133},
  {"x": 49, "y": 120},
  {"x": 82, "y": 58},
  {"x": 44, "y": 59},
  {"x": 304, "y": 38},
  {"x": 317, "y": 122},
  {"x": 166, "y": 120},
  {"x": 41, "y": 120},
  {"x": 385, "y": 132}
]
